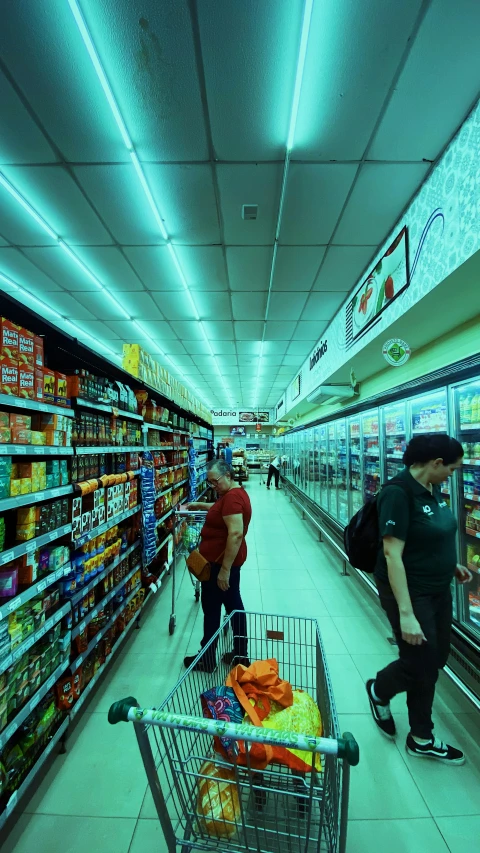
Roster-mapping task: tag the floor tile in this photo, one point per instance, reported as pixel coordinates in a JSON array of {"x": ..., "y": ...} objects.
[
  {"x": 101, "y": 775},
  {"x": 362, "y": 634},
  {"x": 381, "y": 785},
  {"x": 348, "y": 687},
  {"x": 462, "y": 834},
  {"x": 302, "y": 603},
  {"x": 44, "y": 833},
  {"x": 148, "y": 838},
  {"x": 288, "y": 579},
  {"x": 397, "y": 836},
  {"x": 448, "y": 791},
  {"x": 331, "y": 639},
  {"x": 148, "y": 677},
  {"x": 348, "y": 600}
]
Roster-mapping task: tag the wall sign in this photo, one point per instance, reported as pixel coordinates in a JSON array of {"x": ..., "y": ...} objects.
[
  {"x": 296, "y": 387},
  {"x": 229, "y": 417},
  {"x": 318, "y": 354},
  {"x": 396, "y": 352}
]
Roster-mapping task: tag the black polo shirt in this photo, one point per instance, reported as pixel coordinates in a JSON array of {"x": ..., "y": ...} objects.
[{"x": 424, "y": 521}]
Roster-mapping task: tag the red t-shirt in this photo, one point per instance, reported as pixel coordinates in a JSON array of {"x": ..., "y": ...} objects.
[{"x": 215, "y": 532}]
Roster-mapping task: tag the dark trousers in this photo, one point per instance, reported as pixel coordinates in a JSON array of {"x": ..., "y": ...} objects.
[
  {"x": 213, "y": 598},
  {"x": 416, "y": 670},
  {"x": 273, "y": 472}
]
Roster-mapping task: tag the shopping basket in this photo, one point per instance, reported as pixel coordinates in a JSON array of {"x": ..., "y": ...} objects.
[{"x": 277, "y": 809}]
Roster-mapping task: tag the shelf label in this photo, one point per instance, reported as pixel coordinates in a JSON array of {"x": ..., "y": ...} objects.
[
  {"x": 30, "y": 547},
  {"x": 81, "y": 627},
  {"x": 50, "y": 683},
  {"x": 3, "y": 450},
  {"x": 20, "y": 404},
  {"x": 12, "y": 802},
  {"x": 53, "y": 535},
  {"x": 42, "y": 407},
  {"x": 11, "y": 731},
  {"x": 40, "y": 449},
  {"x": 14, "y": 603},
  {"x": 6, "y": 663},
  {"x": 34, "y": 702},
  {"x": 94, "y": 614},
  {"x": 40, "y": 496},
  {"x": 41, "y": 586},
  {"x": 21, "y": 451}
]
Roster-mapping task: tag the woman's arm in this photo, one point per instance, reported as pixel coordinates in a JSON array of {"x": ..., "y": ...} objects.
[
  {"x": 410, "y": 626},
  {"x": 234, "y": 540},
  {"x": 199, "y": 505}
]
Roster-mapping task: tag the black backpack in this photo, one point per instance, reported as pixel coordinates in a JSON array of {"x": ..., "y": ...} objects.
[{"x": 361, "y": 536}]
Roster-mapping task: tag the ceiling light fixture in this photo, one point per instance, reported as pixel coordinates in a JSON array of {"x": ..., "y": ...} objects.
[{"x": 28, "y": 207}]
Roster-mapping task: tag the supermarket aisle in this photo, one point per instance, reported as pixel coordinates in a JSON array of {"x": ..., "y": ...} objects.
[{"x": 94, "y": 799}]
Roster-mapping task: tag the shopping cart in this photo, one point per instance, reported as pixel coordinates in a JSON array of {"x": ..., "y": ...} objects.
[
  {"x": 276, "y": 809},
  {"x": 187, "y": 531}
]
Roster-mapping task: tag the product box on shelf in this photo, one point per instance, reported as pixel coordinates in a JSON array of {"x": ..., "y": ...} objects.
[
  {"x": 60, "y": 389},
  {"x": 26, "y": 347},
  {"x": 9, "y": 376},
  {"x": 38, "y": 351},
  {"x": 9, "y": 333},
  {"x": 48, "y": 385},
  {"x": 38, "y": 384},
  {"x": 26, "y": 382}
]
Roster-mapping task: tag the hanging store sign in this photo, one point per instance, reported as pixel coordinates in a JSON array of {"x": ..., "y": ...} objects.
[
  {"x": 230, "y": 417},
  {"x": 396, "y": 352}
]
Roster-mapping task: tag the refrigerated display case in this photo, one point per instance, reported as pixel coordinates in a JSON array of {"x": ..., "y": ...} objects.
[
  {"x": 309, "y": 464},
  {"x": 467, "y": 420},
  {"x": 428, "y": 413},
  {"x": 316, "y": 464},
  {"x": 355, "y": 482},
  {"x": 342, "y": 472},
  {"x": 323, "y": 466},
  {"x": 394, "y": 438},
  {"x": 332, "y": 470},
  {"x": 371, "y": 455}
]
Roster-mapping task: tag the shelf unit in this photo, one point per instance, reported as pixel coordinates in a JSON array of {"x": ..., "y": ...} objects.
[
  {"x": 97, "y": 531},
  {"x": 85, "y": 590},
  {"x": 35, "y": 497},
  {"x": 34, "y": 544},
  {"x": 34, "y": 450},
  {"x": 92, "y": 614},
  {"x": 118, "y": 448},
  {"x": 32, "y": 703},
  {"x": 36, "y": 589},
  {"x": 27, "y": 644},
  {"x": 96, "y": 639},
  {"x": 9, "y": 402},
  {"x": 107, "y": 408}
]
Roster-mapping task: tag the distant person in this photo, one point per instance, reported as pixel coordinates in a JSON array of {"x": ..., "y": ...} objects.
[
  {"x": 274, "y": 471},
  {"x": 296, "y": 469},
  {"x": 228, "y": 454},
  {"x": 415, "y": 567}
]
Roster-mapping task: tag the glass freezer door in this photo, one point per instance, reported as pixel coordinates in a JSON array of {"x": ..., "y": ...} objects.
[
  {"x": 309, "y": 460},
  {"x": 332, "y": 471},
  {"x": 342, "y": 472},
  {"x": 323, "y": 467},
  {"x": 371, "y": 454},
  {"x": 394, "y": 438},
  {"x": 355, "y": 466},
  {"x": 428, "y": 413},
  {"x": 316, "y": 464},
  {"x": 467, "y": 418}
]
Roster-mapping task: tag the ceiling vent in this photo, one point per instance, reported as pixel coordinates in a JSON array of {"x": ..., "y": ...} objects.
[{"x": 249, "y": 211}]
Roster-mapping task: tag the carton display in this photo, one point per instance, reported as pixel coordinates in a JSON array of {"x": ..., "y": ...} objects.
[
  {"x": 26, "y": 382},
  {"x": 60, "y": 389},
  {"x": 26, "y": 348},
  {"x": 38, "y": 351},
  {"x": 8, "y": 376},
  {"x": 9, "y": 340},
  {"x": 48, "y": 385}
]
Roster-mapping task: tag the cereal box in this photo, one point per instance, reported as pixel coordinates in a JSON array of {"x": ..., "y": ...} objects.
[
  {"x": 38, "y": 351},
  {"x": 38, "y": 385},
  {"x": 48, "y": 385},
  {"x": 26, "y": 382},
  {"x": 8, "y": 377},
  {"x": 60, "y": 389},
  {"x": 8, "y": 340},
  {"x": 26, "y": 347}
]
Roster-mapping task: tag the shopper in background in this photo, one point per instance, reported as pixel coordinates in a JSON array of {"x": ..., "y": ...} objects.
[
  {"x": 415, "y": 567},
  {"x": 228, "y": 454},
  {"x": 223, "y": 545},
  {"x": 274, "y": 471}
]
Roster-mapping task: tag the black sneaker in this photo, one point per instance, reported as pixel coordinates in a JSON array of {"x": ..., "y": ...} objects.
[
  {"x": 381, "y": 713},
  {"x": 231, "y": 659},
  {"x": 436, "y": 749},
  {"x": 201, "y": 665}
]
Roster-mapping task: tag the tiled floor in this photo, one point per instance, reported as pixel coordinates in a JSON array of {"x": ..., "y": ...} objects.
[{"x": 94, "y": 799}]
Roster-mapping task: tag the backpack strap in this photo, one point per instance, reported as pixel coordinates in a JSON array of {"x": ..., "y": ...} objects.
[{"x": 399, "y": 481}]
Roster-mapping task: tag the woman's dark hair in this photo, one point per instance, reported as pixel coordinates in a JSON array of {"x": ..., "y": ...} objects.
[
  {"x": 221, "y": 467},
  {"x": 424, "y": 448}
]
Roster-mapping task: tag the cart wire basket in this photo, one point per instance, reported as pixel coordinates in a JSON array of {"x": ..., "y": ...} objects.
[
  {"x": 187, "y": 532},
  {"x": 275, "y": 809}
]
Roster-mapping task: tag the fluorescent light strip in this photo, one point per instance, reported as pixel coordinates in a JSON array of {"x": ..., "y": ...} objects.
[
  {"x": 71, "y": 254},
  {"x": 24, "y": 203},
  {"x": 92, "y": 51}
]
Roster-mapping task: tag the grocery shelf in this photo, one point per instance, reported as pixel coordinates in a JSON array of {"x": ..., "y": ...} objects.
[
  {"x": 97, "y": 531},
  {"x": 103, "y": 574},
  {"x": 164, "y": 492},
  {"x": 34, "y": 450},
  {"x": 466, "y": 497},
  {"x": 471, "y": 463},
  {"x": 106, "y": 407},
  {"x": 35, "y": 497},
  {"x": 203, "y": 493},
  {"x": 470, "y": 428},
  {"x": 118, "y": 448},
  {"x": 27, "y": 644},
  {"x": 32, "y": 703},
  {"x": 34, "y": 590},
  {"x": 181, "y": 483},
  {"x": 34, "y": 406},
  {"x": 33, "y": 772},
  {"x": 34, "y": 544},
  {"x": 163, "y": 518},
  {"x": 162, "y": 544},
  {"x": 92, "y": 614},
  {"x": 159, "y": 427},
  {"x": 474, "y": 533},
  {"x": 159, "y": 447},
  {"x": 96, "y": 639}
]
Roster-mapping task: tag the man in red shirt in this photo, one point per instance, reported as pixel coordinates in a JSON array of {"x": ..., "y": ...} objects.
[{"x": 223, "y": 545}]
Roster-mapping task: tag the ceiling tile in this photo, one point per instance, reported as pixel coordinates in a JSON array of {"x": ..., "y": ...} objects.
[
  {"x": 213, "y": 305},
  {"x": 249, "y": 306},
  {"x": 174, "y": 347},
  {"x": 186, "y": 197},
  {"x": 183, "y": 360},
  {"x": 57, "y": 264},
  {"x": 155, "y": 267},
  {"x": 17, "y": 226},
  {"x": 138, "y": 305},
  {"x": 279, "y": 331},
  {"x": 371, "y": 211},
  {"x": 323, "y": 305},
  {"x": 286, "y": 306},
  {"x": 69, "y": 307},
  {"x": 293, "y": 361},
  {"x": 307, "y": 330},
  {"x": 22, "y": 140},
  {"x": 172, "y": 306},
  {"x": 219, "y": 331},
  {"x": 246, "y": 347},
  {"x": 110, "y": 266},
  {"x": 100, "y": 331},
  {"x": 435, "y": 96},
  {"x": 314, "y": 200},
  {"x": 300, "y": 347},
  {"x": 196, "y": 347},
  {"x": 297, "y": 266},
  {"x": 343, "y": 266},
  {"x": 348, "y": 73},
  {"x": 24, "y": 271},
  {"x": 56, "y": 196},
  {"x": 231, "y": 360},
  {"x": 245, "y": 331},
  {"x": 189, "y": 331},
  {"x": 203, "y": 267},
  {"x": 249, "y": 267},
  {"x": 223, "y": 347},
  {"x": 249, "y": 184},
  {"x": 275, "y": 347},
  {"x": 159, "y": 330}
]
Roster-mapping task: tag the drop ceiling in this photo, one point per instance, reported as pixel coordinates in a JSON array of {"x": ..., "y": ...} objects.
[{"x": 157, "y": 253}]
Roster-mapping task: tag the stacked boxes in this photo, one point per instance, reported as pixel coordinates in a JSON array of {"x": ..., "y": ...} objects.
[
  {"x": 21, "y": 362},
  {"x": 102, "y": 505},
  {"x": 38, "y": 430},
  {"x": 23, "y": 478},
  {"x": 37, "y": 520}
]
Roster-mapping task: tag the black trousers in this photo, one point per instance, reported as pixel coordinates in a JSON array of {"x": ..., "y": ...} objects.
[
  {"x": 273, "y": 472},
  {"x": 213, "y": 598},
  {"x": 416, "y": 670}
]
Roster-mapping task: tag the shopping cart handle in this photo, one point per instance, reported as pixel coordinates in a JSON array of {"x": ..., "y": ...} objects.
[
  {"x": 127, "y": 710},
  {"x": 348, "y": 749},
  {"x": 119, "y": 711}
]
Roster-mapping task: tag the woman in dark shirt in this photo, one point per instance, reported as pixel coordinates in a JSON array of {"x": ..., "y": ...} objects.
[
  {"x": 223, "y": 545},
  {"x": 414, "y": 571}
]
